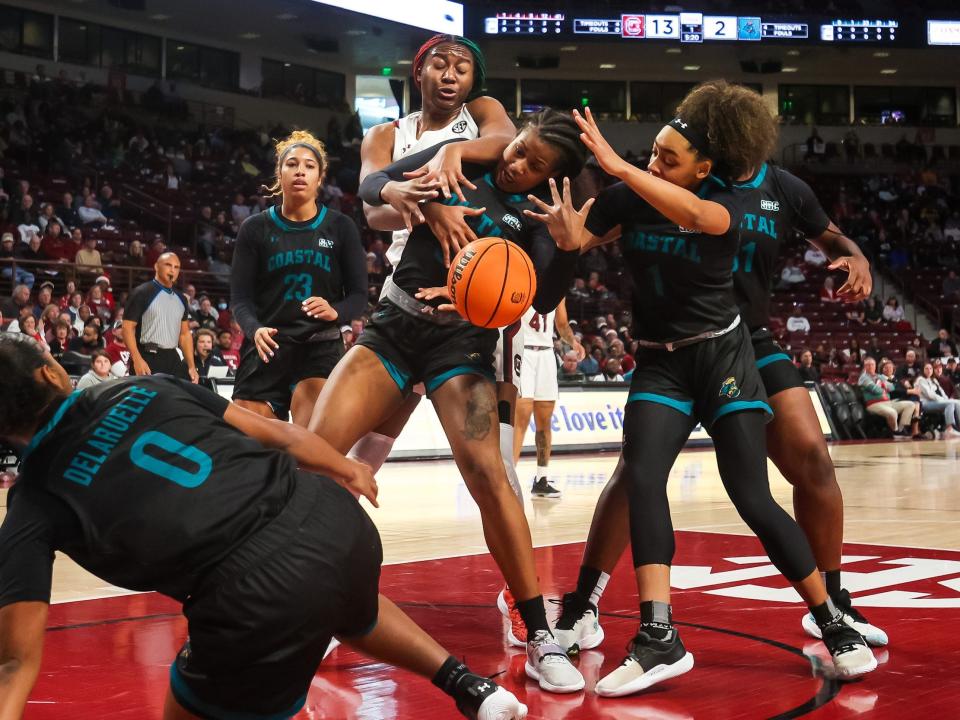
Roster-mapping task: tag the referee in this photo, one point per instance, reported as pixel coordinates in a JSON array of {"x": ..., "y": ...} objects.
[{"x": 155, "y": 323}]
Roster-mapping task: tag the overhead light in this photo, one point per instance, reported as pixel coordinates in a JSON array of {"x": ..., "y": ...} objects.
[
  {"x": 286, "y": 16},
  {"x": 249, "y": 35},
  {"x": 881, "y": 54},
  {"x": 404, "y": 62},
  {"x": 568, "y": 48},
  {"x": 789, "y": 69},
  {"x": 793, "y": 53},
  {"x": 356, "y": 33},
  {"x": 159, "y": 16},
  {"x": 888, "y": 71},
  {"x": 674, "y": 51},
  {"x": 179, "y": 47},
  {"x": 691, "y": 67},
  {"x": 607, "y": 66}
]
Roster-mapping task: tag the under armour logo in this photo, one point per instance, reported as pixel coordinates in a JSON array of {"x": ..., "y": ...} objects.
[
  {"x": 681, "y": 123},
  {"x": 483, "y": 687}
]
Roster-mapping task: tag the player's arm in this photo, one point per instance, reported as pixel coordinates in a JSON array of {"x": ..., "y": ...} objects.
[
  {"x": 376, "y": 152},
  {"x": 677, "y": 204},
  {"x": 353, "y": 270},
  {"x": 562, "y": 321},
  {"x": 311, "y": 451},
  {"x": 22, "y": 625},
  {"x": 186, "y": 345}
]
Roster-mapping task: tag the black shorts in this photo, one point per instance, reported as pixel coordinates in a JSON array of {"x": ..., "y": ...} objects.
[
  {"x": 162, "y": 361},
  {"x": 704, "y": 381},
  {"x": 293, "y": 361},
  {"x": 260, "y": 621},
  {"x": 776, "y": 367},
  {"x": 414, "y": 350}
]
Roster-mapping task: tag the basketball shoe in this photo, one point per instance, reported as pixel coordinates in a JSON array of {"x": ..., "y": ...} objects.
[
  {"x": 479, "y": 698},
  {"x": 648, "y": 662},
  {"x": 855, "y": 619},
  {"x": 578, "y": 627},
  {"x": 543, "y": 489},
  {"x": 517, "y": 633},
  {"x": 850, "y": 652},
  {"x": 549, "y": 665}
]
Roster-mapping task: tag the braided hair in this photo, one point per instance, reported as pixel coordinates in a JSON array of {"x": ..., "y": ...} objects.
[
  {"x": 479, "y": 61},
  {"x": 561, "y": 131},
  {"x": 22, "y": 398}
]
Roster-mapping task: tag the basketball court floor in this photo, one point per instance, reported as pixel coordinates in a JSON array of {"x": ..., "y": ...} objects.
[{"x": 108, "y": 652}]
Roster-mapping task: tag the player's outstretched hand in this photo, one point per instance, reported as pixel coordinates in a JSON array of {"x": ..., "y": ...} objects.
[
  {"x": 447, "y": 167},
  {"x": 448, "y": 223},
  {"x": 859, "y": 282},
  {"x": 360, "y": 481},
  {"x": 405, "y": 197},
  {"x": 316, "y": 307},
  {"x": 562, "y": 219},
  {"x": 264, "y": 342},
  {"x": 432, "y": 293},
  {"x": 596, "y": 143}
]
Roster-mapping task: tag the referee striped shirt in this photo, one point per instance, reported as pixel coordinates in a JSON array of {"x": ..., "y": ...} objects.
[{"x": 158, "y": 312}]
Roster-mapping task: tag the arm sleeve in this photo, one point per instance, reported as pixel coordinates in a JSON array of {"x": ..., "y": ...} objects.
[
  {"x": 554, "y": 269},
  {"x": 372, "y": 184},
  {"x": 809, "y": 215},
  {"x": 353, "y": 270},
  {"x": 214, "y": 402},
  {"x": 613, "y": 206},
  {"x": 26, "y": 553},
  {"x": 136, "y": 305},
  {"x": 243, "y": 279}
]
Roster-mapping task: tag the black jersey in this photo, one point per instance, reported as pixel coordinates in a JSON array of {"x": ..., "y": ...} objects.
[
  {"x": 142, "y": 483},
  {"x": 683, "y": 283},
  {"x": 421, "y": 264},
  {"x": 780, "y": 205},
  {"x": 279, "y": 263}
]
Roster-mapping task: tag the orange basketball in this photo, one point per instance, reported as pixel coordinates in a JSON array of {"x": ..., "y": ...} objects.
[{"x": 492, "y": 282}]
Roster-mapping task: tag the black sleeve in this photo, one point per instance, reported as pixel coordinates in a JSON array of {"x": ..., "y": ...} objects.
[
  {"x": 372, "y": 184},
  {"x": 26, "y": 551},
  {"x": 243, "y": 276},
  {"x": 214, "y": 402},
  {"x": 809, "y": 216},
  {"x": 733, "y": 201},
  {"x": 614, "y": 205},
  {"x": 353, "y": 270},
  {"x": 137, "y": 303},
  {"x": 554, "y": 269}
]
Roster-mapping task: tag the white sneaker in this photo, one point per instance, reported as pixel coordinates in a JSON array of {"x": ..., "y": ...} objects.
[
  {"x": 851, "y": 654},
  {"x": 576, "y": 631},
  {"x": 549, "y": 665},
  {"x": 951, "y": 434},
  {"x": 479, "y": 698},
  {"x": 852, "y": 617},
  {"x": 334, "y": 644},
  {"x": 648, "y": 662}
]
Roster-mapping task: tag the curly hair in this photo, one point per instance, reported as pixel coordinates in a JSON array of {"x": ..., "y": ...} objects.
[
  {"x": 297, "y": 137},
  {"x": 741, "y": 132},
  {"x": 22, "y": 398},
  {"x": 560, "y": 130}
]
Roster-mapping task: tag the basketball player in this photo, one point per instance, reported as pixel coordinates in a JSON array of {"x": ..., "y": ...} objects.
[
  {"x": 299, "y": 273},
  {"x": 539, "y": 388},
  {"x": 449, "y": 71},
  {"x": 781, "y": 205},
  {"x": 409, "y": 341},
  {"x": 153, "y": 484},
  {"x": 696, "y": 363}
]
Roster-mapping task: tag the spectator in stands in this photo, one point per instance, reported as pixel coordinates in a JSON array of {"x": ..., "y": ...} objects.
[
  {"x": 55, "y": 242},
  {"x": 98, "y": 304},
  {"x": 876, "y": 397},
  {"x": 206, "y": 314},
  {"x": 190, "y": 292},
  {"x": 49, "y": 319},
  {"x": 791, "y": 274},
  {"x": 109, "y": 205},
  {"x": 892, "y": 312},
  {"x": 597, "y": 289},
  {"x": 951, "y": 286},
  {"x": 67, "y": 212},
  {"x": 611, "y": 372},
  {"x": 872, "y": 312},
  {"x": 851, "y": 145},
  {"x": 934, "y": 399},
  {"x": 26, "y": 214},
  {"x": 230, "y": 355},
  {"x": 911, "y": 368},
  {"x": 44, "y": 299},
  {"x": 138, "y": 143},
  {"x": 579, "y": 290},
  {"x": 73, "y": 305},
  {"x": 568, "y": 368},
  {"x": 590, "y": 365},
  {"x": 827, "y": 293},
  {"x": 35, "y": 254},
  {"x": 90, "y": 339},
  {"x": 239, "y": 211},
  {"x": 854, "y": 354},
  {"x": 855, "y": 314},
  {"x": 157, "y": 248},
  {"x": 205, "y": 356},
  {"x": 808, "y": 371},
  {"x": 797, "y": 322},
  {"x": 814, "y": 257},
  {"x": 88, "y": 260},
  {"x": 8, "y": 252},
  {"x": 99, "y": 371},
  {"x": 943, "y": 376},
  {"x": 90, "y": 214},
  {"x": 134, "y": 256},
  {"x": 30, "y": 328},
  {"x": 47, "y": 215},
  {"x": 118, "y": 351},
  {"x": 942, "y": 345},
  {"x": 61, "y": 339}
]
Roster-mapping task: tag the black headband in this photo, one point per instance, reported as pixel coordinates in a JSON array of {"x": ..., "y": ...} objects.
[
  {"x": 694, "y": 135},
  {"x": 309, "y": 147}
]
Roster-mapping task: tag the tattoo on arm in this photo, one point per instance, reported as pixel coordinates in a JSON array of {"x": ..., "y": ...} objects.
[
  {"x": 543, "y": 450},
  {"x": 481, "y": 412}
]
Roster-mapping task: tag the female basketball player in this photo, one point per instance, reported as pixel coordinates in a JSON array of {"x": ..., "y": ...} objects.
[
  {"x": 781, "y": 205},
  {"x": 299, "y": 273},
  {"x": 408, "y": 342},
  {"x": 696, "y": 363}
]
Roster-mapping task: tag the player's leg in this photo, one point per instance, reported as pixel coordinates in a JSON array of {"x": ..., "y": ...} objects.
[
  {"x": 467, "y": 407},
  {"x": 796, "y": 445},
  {"x": 260, "y": 407},
  {"x": 543, "y": 418},
  {"x": 521, "y": 423},
  {"x": 374, "y": 447},
  {"x": 304, "y": 399}
]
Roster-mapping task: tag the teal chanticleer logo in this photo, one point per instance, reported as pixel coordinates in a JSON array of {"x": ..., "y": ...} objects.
[{"x": 730, "y": 389}]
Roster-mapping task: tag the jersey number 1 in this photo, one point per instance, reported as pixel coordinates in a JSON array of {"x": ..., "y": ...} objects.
[
  {"x": 300, "y": 286},
  {"x": 150, "y": 462}
]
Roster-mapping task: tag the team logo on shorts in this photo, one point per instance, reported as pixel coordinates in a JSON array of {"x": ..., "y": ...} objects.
[
  {"x": 473, "y": 357},
  {"x": 460, "y": 127},
  {"x": 729, "y": 388}
]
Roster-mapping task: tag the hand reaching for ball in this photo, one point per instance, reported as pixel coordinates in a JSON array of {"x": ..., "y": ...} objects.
[{"x": 562, "y": 219}]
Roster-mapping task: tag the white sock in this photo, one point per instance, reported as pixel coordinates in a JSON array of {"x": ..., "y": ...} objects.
[
  {"x": 506, "y": 452},
  {"x": 542, "y": 471},
  {"x": 373, "y": 449},
  {"x": 598, "y": 589}
]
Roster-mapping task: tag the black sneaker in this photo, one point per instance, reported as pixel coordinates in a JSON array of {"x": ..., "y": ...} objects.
[
  {"x": 648, "y": 662},
  {"x": 578, "y": 627},
  {"x": 543, "y": 489},
  {"x": 850, "y": 652}
]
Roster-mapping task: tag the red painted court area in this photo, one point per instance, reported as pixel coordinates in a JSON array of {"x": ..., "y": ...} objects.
[{"x": 109, "y": 658}]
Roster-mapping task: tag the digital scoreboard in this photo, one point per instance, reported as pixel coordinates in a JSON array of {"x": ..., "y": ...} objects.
[{"x": 860, "y": 31}]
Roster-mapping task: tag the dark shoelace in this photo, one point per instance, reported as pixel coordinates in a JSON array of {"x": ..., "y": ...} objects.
[{"x": 572, "y": 607}]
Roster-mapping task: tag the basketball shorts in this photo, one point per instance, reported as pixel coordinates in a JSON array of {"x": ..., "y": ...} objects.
[
  {"x": 414, "y": 350},
  {"x": 538, "y": 375},
  {"x": 293, "y": 361},
  {"x": 704, "y": 381},
  {"x": 260, "y": 621},
  {"x": 508, "y": 357},
  {"x": 776, "y": 367}
]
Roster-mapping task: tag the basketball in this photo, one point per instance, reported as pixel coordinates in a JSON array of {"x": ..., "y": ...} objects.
[{"x": 492, "y": 282}]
